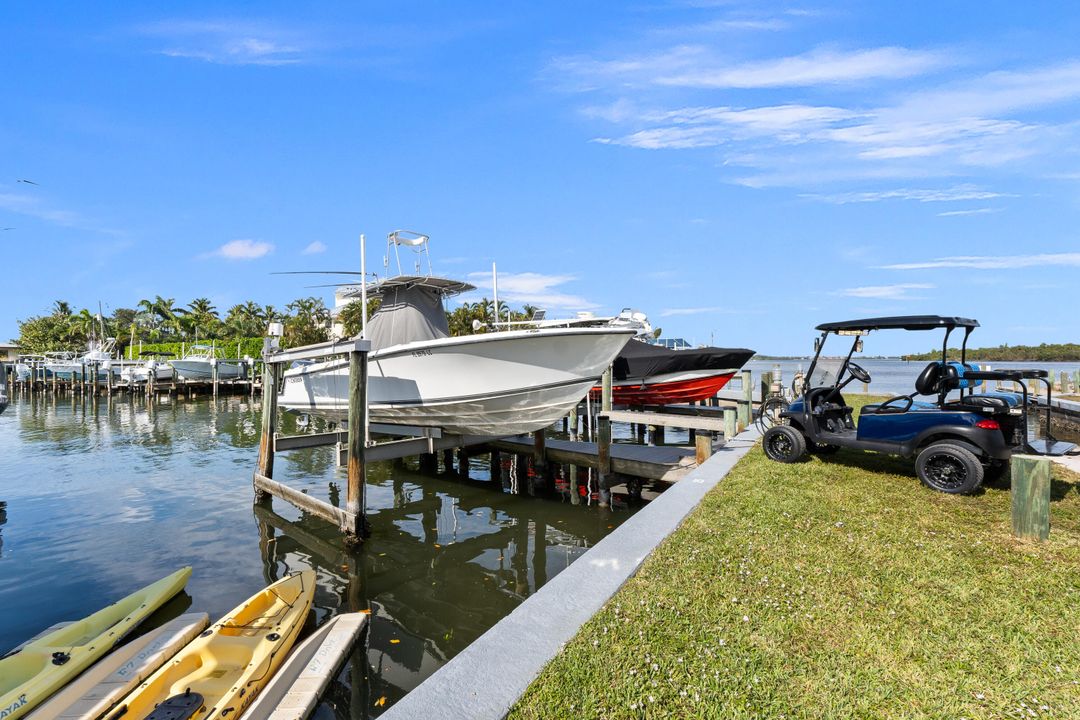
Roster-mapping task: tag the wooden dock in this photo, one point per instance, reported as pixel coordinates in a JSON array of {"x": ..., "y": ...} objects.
[{"x": 664, "y": 463}]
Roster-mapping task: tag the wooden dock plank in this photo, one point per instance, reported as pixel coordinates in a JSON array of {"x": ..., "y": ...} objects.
[{"x": 696, "y": 422}]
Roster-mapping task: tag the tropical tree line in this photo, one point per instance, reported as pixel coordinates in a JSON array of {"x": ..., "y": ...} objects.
[
  {"x": 1058, "y": 352},
  {"x": 162, "y": 321}
]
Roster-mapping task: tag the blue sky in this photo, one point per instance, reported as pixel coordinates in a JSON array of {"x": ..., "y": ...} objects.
[{"x": 739, "y": 171}]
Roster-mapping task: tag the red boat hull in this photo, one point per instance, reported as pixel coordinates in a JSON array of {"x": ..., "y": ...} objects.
[{"x": 666, "y": 393}]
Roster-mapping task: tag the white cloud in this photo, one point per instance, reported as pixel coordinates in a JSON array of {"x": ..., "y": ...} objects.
[
  {"x": 674, "y": 312},
  {"x": 956, "y": 128},
  {"x": 227, "y": 42},
  {"x": 534, "y": 289},
  {"x": 818, "y": 67},
  {"x": 695, "y": 66},
  {"x": 242, "y": 250},
  {"x": 956, "y": 193},
  {"x": 993, "y": 262},
  {"x": 314, "y": 248},
  {"x": 900, "y": 291},
  {"x": 35, "y": 207},
  {"x": 975, "y": 211}
]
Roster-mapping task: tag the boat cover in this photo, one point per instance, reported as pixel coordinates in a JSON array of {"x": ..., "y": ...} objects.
[
  {"x": 641, "y": 360},
  {"x": 407, "y": 314}
]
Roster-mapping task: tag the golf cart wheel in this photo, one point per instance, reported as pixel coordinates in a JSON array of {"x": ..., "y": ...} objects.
[
  {"x": 949, "y": 468},
  {"x": 784, "y": 443},
  {"x": 821, "y": 448}
]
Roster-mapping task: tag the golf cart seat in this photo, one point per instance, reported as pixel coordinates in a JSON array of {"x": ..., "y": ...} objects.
[{"x": 982, "y": 401}]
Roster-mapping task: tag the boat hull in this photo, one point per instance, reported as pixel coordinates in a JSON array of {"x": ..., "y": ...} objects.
[
  {"x": 495, "y": 385},
  {"x": 202, "y": 370},
  {"x": 141, "y": 374},
  {"x": 667, "y": 389}
]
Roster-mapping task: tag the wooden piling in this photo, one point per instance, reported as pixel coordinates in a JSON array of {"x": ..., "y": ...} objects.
[
  {"x": 1031, "y": 496},
  {"x": 214, "y": 376},
  {"x": 520, "y": 478},
  {"x": 603, "y": 446},
  {"x": 539, "y": 452},
  {"x": 495, "y": 466},
  {"x": 766, "y": 384},
  {"x": 463, "y": 463},
  {"x": 703, "y": 446},
  {"x": 745, "y": 407},
  {"x": 269, "y": 422},
  {"x": 573, "y": 418},
  {"x": 355, "y": 527},
  {"x": 730, "y": 423}
]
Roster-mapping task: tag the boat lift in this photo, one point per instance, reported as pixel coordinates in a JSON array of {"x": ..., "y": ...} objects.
[{"x": 354, "y": 444}]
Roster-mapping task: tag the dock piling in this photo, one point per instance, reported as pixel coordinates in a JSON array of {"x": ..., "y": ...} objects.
[
  {"x": 1030, "y": 497},
  {"x": 745, "y": 407},
  {"x": 603, "y": 447},
  {"x": 355, "y": 526}
]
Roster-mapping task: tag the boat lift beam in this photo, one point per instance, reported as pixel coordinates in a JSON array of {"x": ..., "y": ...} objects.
[{"x": 352, "y": 519}]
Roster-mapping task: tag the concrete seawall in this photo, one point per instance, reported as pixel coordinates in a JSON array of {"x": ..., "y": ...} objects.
[{"x": 488, "y": 677}]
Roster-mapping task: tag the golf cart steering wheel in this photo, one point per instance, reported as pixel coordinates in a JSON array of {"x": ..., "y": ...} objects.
[{"x": 858, "y": 373}]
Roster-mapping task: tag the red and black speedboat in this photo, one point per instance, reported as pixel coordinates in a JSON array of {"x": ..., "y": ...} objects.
[{"x": 645, "y": 374}]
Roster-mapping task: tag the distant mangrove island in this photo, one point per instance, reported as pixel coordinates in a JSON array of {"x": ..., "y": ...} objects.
[{"x": 1057, "y": 352}]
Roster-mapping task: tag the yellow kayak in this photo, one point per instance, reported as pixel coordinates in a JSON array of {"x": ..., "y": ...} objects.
[
  {"x": 218, "y": 674},
  {"x": 41, "y": 667}
]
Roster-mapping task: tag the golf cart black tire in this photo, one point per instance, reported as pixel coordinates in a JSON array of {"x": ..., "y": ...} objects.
[
  {"x": 784, "y": 444},
  {"x": 955, "y": 458}
]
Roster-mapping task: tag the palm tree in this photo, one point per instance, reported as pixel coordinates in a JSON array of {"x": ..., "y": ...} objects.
[
  {"x": 202, "y": 315},
  {"x": 82, "y": 326},
  {"x": 61, "y": 308},
  {"x": 170, "y": 315}
]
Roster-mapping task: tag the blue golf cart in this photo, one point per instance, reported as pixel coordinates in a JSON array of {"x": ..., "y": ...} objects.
[{"x": 958, "y": 436}]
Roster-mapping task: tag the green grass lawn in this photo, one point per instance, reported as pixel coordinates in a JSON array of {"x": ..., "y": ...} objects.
[{"x": 836, "y": 588}]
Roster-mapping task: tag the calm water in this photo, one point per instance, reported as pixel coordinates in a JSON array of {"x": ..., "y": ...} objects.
[
  {"x": 103, "y": 500},
  {"x": 894, "y": 377}
]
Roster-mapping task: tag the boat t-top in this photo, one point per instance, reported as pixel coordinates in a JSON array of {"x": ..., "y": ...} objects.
[{"x": 489, "y": 384}]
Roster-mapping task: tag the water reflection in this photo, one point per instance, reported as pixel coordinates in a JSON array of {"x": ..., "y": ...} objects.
[
  {"x": 106, "y": 497},
  {"x": 440, "y": 565}
]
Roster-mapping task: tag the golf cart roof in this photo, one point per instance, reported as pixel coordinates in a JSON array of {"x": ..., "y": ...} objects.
[{"x": 899, "y": 322}]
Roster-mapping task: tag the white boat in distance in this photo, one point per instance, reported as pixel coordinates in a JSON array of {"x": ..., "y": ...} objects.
[
  {"x": 140, "y": 373},
  {"x": 198, "y": 364},
  {"x": 490, "y": 384},
  {"x": 66, "y": 366}
]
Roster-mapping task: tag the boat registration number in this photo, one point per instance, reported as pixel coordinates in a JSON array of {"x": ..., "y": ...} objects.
[{"x": 421, "y": 353}]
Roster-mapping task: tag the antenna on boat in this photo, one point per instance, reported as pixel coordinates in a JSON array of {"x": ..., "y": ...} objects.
[
  {"x": 363, "y": 286},
  {"x": 495, "y": 292}
]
